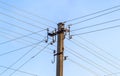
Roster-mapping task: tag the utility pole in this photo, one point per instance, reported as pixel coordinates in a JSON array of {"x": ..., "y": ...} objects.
[
  {"x": 60, "y": 49},
  {"x": 60, "y": 33}
]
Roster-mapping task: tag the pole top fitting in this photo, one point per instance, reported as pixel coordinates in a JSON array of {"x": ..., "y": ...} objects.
[{"x": 60, "y": 24}]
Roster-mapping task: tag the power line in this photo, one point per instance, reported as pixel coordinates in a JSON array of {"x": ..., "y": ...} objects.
[
  {"x": 93, "y": 13},
  {"x": 96, "y": 24},
  {"x": 30, "y": 42},
  {"x": 98, "y": 53},
  {"x": 83, "y": 66},
  {"x": 22, "y": 39},
  {"x": 20, "y": 58},
  {"x": 20, "y": 27},
  {"x": 19, "y": 71},
  {"x": 15, "y": 25},
  {"x": 21, "y": 20},
  {"x": 26, "y": 17},
  {"x": 26, "y": 41},
  {"x": 9, "y": 36},
  {"x": 16, "y": 33},
  {"x": 18, "y": 49},
  {"x": 19, "y": 9},
  {"x": 115, "y": 58},
  {"x": 88, "y": 50},
  {"x": 95, "y": 17},
  {"x": 27, "y": 35},
  {"x": 19, "y": 37},
  {"x": 97, "y": 30},
  {"x": 87, "y": 60},
  {"x": 29, "y": 60},
  {"x": 112, "y": 74}
]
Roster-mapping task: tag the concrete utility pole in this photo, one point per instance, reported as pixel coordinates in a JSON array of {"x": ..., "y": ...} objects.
[
  {"x": 60, "y": 49},
  {"x": 60, "y": 32}
]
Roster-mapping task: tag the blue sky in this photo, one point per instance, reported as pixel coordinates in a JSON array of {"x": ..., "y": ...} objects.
[{"x": 60, "y": 11}]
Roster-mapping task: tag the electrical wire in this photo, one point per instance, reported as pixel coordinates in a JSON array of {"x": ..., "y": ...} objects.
[
  {"x": 9, "y": 36},
  {"x": 87, "y": 60},
  {"x": 93, "y": 13},
  {"x": 29, "y": 60},
  {"x": 86, "y": 49},
  {"x": 20, "y": 20},
  {"x": 96, "y": 24},
  {"x": 37, "y": 21},
  {"x": 20, "y": 27},
  {"x": 17, "y": 33},
  {"x": 83, "y": 67},
  {"x": 27, "y": 41},
  {"x": 24, "y": 40},
  {"x": 19, "y": 71},
  {"x": 18, "y": 49},
  {"x": 95, "y": 17},
  {"x": 101, "y": 49},
  {"x": 16, "y": 26},
  {"x": 112, "y": 74},
  {"x": 98, "y": 53},
  {"x": 20, "y": 58},
  {"x": 19, "y": 37},
  {"x": 32, "y": 14},
  {"x": 112, "y": 27}
]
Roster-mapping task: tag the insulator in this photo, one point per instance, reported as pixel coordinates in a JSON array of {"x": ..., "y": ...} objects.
[
  {"x": 51, "y": 43},
  {"x": 47, "y": 35},
  {"x": 54, "y": 51},
  {"x": 70, "y": 36},
  {"x": 46, "y": 40},
  {"x": 65, "y": 58}
]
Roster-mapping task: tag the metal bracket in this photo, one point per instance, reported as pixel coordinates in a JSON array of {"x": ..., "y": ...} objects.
[
  {"x": 58, "y": 53},
  {"x": 65, "y": 57},
  {"x": 47, "y": 35},
  {"x": 70, "y": 36},
  {"x": 53, "y": 61}
]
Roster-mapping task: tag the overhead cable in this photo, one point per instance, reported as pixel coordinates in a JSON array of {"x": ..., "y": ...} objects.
[
  {"x": 89, "y": 61},
  {"x": 88, "y": 50},
  {"x": 20, "y": 58},
  {"x": 18, "y": 49},
  {"x": 96, "y": 16},
  {"x": 17, "y": 33},
  {"x": 101, "y": 49},
  {"x": 93, "y": 13},
  {"x": 86, "y": 68},
  {"x": 19, "y": 37},
  {"x": 19, "y": 71},
  {"x": 30, "y": 13},
  {"x": 29, "y": 60},
  {"x": 37, "y": 21},
  {"x": 107, "y": 28},
  {"x": 20, "y": 20},
  {"x": 96, "y": 24}
]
